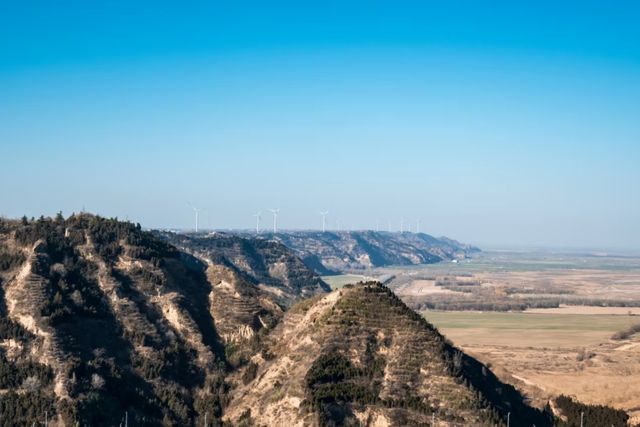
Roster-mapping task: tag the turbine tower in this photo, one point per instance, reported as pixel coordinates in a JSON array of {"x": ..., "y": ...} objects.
[
  {"x": 324, "y": 220},
  {"x": 197, "y": 212},
  {"x": 377, "y": 225},
  {"x": 258, "y": 217},
  {"x": 418, "y": 226},
  {"x": 401, "y": 225},
  {"x": 275, "y": 219}
]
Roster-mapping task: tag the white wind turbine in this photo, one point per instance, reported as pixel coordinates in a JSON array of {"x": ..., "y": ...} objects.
[
  {"x": 258, "y": 217},
  {"x": 402, "y": 225},
  {"x": 324, "y": 220},
  {"x": 418, "y": 226},
  {"x": 197, "y": 212},
  {"x": 275, "y": 219}
]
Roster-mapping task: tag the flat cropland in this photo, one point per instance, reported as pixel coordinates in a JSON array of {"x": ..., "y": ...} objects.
[
  {"x": 566, "y": 349},
  {"x": 586, "y": 309},
  {"x": 550, "y": 354},
  {"x": 525, "y": 329},
  {"x": 530, "y": 275}
]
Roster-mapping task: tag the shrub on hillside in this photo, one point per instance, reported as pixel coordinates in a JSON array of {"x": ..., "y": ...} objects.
[{"x": 594, "y": 415}]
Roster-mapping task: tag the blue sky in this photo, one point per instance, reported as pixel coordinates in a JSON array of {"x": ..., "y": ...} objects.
[{"x": 502, "y": 123}]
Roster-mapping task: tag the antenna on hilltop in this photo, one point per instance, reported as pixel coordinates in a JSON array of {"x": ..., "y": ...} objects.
[
  {"x": 275, "y": 219},
  {"x": 258, "y": 216},
  {"x": 197, "y": 212},
  {"x": 324, "y": 220}
]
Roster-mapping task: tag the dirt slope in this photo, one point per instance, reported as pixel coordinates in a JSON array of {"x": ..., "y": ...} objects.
[
  {"x": 99, "y": 318},
  {"x": 359, "y": 355},
  {"x": 342, "y": 251}
]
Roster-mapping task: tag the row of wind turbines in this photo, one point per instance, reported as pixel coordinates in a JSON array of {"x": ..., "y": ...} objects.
[{"x": 275, "y": 212}]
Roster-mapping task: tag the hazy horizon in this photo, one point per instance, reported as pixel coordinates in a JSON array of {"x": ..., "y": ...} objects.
[{"x": 515, "y": 125}]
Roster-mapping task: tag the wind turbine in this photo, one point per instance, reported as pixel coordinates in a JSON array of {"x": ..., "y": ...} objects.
[
  {"x": 197, "y": 212},
  {"x": 418, "y": 226},
  {"x": 377, "y": 225},
  {"x": 324, "y": 220},
  {"x": 275, "y": 219},
  {"x": 258, "y": 217},
  {"x": 402, "y": 225}
]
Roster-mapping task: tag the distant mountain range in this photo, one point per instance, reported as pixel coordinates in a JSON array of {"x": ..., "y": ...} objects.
[{"x": 333, "y": 252}]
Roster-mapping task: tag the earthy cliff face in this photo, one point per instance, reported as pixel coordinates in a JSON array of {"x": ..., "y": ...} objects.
[
  {"x": 100, "y": 318},
  {"x": 254, "y": 280},
  {"x": 359, "y": 356},
  {"x": 342, "y": 251},
  {"x": 266, "y": 263}
]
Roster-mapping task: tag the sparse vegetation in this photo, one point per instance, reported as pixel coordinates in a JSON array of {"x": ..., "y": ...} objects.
[
  {"x": 10, "y": 260},
  {"x": 595, "y": 415},
  {"x": 14, "y": 375},
  {"x": 626, "y": 333}
]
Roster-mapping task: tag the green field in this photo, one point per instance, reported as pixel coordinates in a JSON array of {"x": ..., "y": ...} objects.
[{"x": 525, "y": 329}]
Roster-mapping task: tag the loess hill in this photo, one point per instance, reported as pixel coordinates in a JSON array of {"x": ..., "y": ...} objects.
[
  {"x": 253, "y": 280},
  {"x": 99, "y": 318},
  {"x": 340, "y": 251},
  {"x": 359, "y": 356}
]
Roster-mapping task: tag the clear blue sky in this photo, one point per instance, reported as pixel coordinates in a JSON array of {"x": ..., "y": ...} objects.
[{"x": 497, "y": 123}]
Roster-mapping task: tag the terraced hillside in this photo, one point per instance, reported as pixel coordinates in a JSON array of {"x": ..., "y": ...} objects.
[
  {"x": 266, "y": 263},
  {"x": 253, "y": 280},
  {"x": 344, "y": 251},
  {"x": 99, "y": 319},
  {"x": 359, "y": 356}
]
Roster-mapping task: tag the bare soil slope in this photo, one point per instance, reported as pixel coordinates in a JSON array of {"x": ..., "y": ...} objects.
[
  {"x": 99, "y": 318},
  {"x": 359, "y": 355}
]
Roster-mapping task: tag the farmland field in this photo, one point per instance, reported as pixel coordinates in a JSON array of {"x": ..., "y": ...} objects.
[
  {"x": 546, "y": 320},
  {"x": 525, "y": 329},
  {"x": 548, "y": 354}
]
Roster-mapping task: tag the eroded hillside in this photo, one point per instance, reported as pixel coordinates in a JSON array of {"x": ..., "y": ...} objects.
[
  {"x": 267, "y": 263},
  {"x": 253, "y": 280},
  {"x": 359, "y": 356},
  {"x": 341, "y": 251},
  {"x": 99, "y": 319}
]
